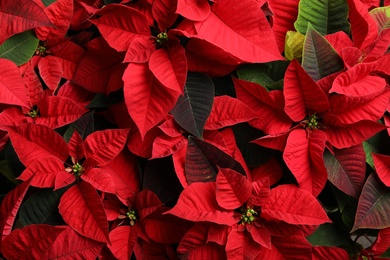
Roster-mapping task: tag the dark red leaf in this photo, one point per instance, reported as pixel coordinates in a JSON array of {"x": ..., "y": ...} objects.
[
  {"x": 373, "y": 206},
  {"x": 31, "y": 242},
  {"x": 382, "y": 167},
  {"x": 164, "y": 13},
  {"x": 10, "y": 207},
  {"x": 325, "y": 252},
  {"x": 59, "y": 13},
  {"x": 82, "y": 209},
  {"x": 202, "y": 159},
  {"x": 12, "y": 89},
  {"x": 22, "y": 19},
  {"x": 70, "y": 245},
  {"x": 122, "y": 240},
  {"x": 100, "y": 69},
  {"x": 268, "y": 106}
]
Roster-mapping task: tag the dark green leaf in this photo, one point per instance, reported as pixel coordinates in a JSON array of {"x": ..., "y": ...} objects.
[
  {"x": 48, "y": 2},
  {"x": 269, "y": 75},
  {"x": 326, "y": 16},
  {"x": 202, "y": 160},
  {"x": 41, "y": 207},
  {"x": 84, "y": 125},
  {"x": 19, "y": 48},
  {"x": 328, "y": 234},
  {"x": 6, "y": 172},
  {"x": 319, "y": 58},
  {"x": 192, "y": 110}
]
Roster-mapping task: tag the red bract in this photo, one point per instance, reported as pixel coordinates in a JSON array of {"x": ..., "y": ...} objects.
[
  {"x": 247, "y": 208},
  {"x": 342, "y": 121}
]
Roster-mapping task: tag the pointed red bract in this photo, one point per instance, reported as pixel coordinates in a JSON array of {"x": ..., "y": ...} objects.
[
  {"x": 33, "y": 241},
  {"x": 120, "y": 24},
  {"x": 169, "y": 66},
  {"x": 50, "y": 69},
  {"x": 268, "y": 106},
  {"x": 228, "y": 111},
  {"x": 55, "y": 111},
  {"x": 22, "y": 19},
  {"x": 140, "y": 50},
  {"x": 294, "y": 206},
  {"x": 100, "y": 69},
  {"x": 324, "y": 252},
  {"x": 99, "y": 179},
  {"x": 43, "y": 172},
  {"x": 69, "y": 244},
  {"x": 122, "y": 240},
  {"x": 241, "y": 29},
  {"x": 101, "y": 147},
  {"x": 10, "y": 207},
  {"x": 304, "y": 157},
  {"x": 193, "y": 10},
  {"x": 59, "y": 13},
  {"x": 12, "y": 89},
  {"x": 358, "y": 82},
  {"x": 147, "y": 100},
  {"x": 382, "y": 167},
  {"x": 33, "y": 142},
  {"x": 233, "y": 189},
  {"x": 164, "y": 13},
  {"x": 301, "y": 94},
  {"x": 197, "y": 203},
  {"x": 353, "y": 134},
  {"x": 363, "y": 27},
  {"x": 75, "y": 144},
  {"x": 82, "y": 209}
]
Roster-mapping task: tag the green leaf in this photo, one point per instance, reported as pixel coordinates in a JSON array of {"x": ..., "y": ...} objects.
[
  {"x": 202, "y": 159},
  {"x": 382, "y": 16},
  {"x": 254, "y": 155},
  {"x": 6, "y": 172},
  {"x": 41, "y": 207},
  {"x": 48, "y": 2},
  {"x": 269, "y": 75},
  {"x": 19, "y": 48},
  {"x": 294, "y": 45},
  {"x": 192, "y": 110},
  {"x": 84, "y": 125},
  {"x": 369, "y": 149},
  {"x": 319, "y": 58},
  {"x": 328, "y": 234},
  {"x": 326, "y": 16}
]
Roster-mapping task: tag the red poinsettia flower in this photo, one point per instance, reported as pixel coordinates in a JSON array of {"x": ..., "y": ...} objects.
[
  {"x": 140, "y": 221},
  {"x": 249, "y": 211},
  {"x": 339, "y": 120}
]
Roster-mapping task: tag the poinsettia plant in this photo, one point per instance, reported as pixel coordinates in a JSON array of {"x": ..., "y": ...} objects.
[{"x": 177, "y": 129}]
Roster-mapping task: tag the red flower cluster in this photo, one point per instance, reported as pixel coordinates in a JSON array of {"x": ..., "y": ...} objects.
[{"x": 179, "y": 129}]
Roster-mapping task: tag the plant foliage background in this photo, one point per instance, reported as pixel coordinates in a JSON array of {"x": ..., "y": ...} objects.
[{"x": 178, "y": 129}]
